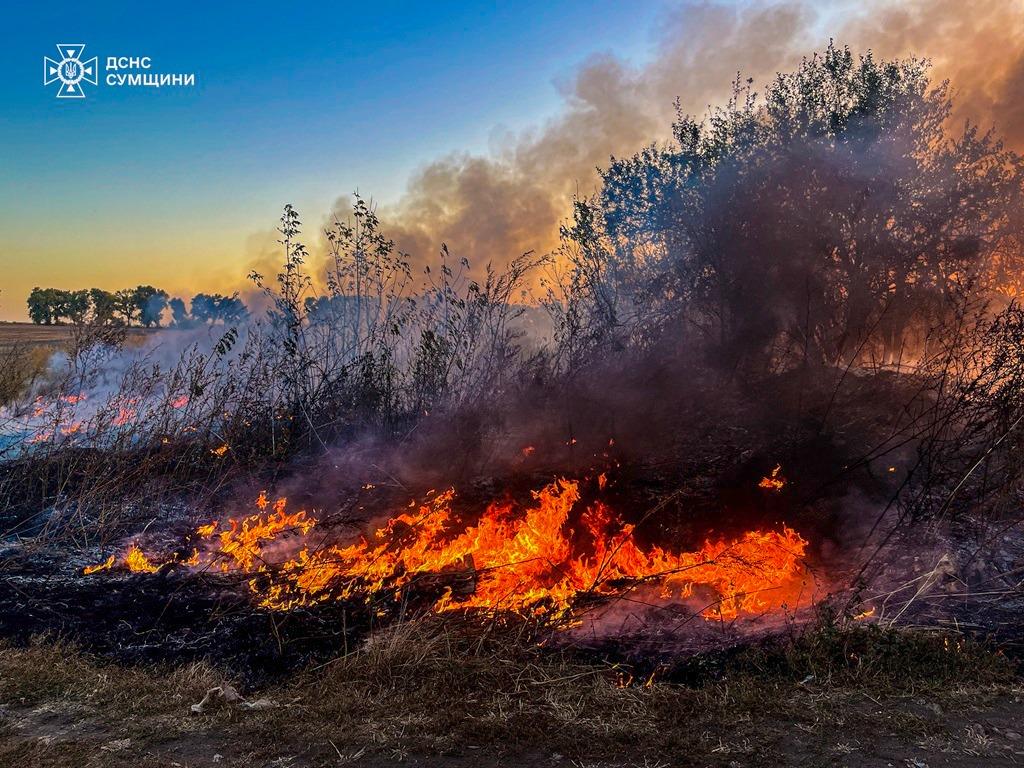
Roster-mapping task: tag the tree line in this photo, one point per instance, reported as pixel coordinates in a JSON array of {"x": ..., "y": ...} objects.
[{"x": 144, "y": 305}]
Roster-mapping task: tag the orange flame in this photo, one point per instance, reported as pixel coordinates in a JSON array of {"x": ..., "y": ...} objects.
[
  {"x": 774, "y": 481},
  {"x": 536, "y": 560},
  {"x": 106, "y": 565},
  {"x": 137, "y": 562},
  {"x": 124, "y": 416}
]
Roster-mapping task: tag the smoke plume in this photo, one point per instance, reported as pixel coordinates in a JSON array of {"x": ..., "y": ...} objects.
[{"x": 492, "y": 208}]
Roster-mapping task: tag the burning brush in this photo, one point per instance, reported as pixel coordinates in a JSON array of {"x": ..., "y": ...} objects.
[{"x": 541, "y": 558}]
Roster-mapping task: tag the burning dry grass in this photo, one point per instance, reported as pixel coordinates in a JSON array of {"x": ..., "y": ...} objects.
[
  {"x": 539, "y": 558},
  {"x": 698, "y": 364},
  {"x": 443, "y": 688}
]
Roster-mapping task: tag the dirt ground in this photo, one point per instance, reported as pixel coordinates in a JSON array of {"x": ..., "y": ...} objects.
[
  {"x": 60, "y": 709},
  {"x": 978, "y": 728}
]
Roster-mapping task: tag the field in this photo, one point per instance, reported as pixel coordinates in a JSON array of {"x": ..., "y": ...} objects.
[{"x": 32, "y": 335}]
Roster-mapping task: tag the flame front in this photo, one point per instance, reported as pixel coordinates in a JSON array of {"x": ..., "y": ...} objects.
[{"x": 539, "y": 558}]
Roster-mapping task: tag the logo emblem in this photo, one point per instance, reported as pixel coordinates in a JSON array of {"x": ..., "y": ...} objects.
[{"x": 71, "y": 71}]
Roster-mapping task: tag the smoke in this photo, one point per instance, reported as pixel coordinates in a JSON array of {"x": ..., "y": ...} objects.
[
  {"x": 495, "y": 207},
  {"x": 979, "y": 49}
]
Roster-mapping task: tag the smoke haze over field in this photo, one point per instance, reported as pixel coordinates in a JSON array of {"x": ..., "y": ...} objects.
[{"x": 492, "y": 208}]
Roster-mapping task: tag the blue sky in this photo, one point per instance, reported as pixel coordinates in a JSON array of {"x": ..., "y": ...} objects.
[{"x": 292, "y": 104}]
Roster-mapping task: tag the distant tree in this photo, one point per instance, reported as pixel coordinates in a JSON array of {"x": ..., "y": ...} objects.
[
  {"x": 40, "y": 306},
  {"x": 75, "y": 305},
  {"x": 231, "y": 309},
  {"x": 60, "y": 303},
  {"x": 179, "y": 313},
  {"x": 212, "y": 308},
  {"x": 104, "y": 306},
  {"x": 150, "y": 303},
  {"x": 124, "y": 301},
  {"x": 204, "y": 308},
  {"x": 50, "y": 306}
]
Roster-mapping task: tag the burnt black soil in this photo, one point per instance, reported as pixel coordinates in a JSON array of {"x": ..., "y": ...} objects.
[{"x": 171, "y": 616}]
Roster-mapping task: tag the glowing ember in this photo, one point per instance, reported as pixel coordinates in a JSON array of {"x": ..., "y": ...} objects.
[
  {"x": 220, "y": 450},
  {"x": 774, "y": 481}
]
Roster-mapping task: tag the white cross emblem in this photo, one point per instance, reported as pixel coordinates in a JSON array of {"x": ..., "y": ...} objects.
[{"x": 71, "y": 71}]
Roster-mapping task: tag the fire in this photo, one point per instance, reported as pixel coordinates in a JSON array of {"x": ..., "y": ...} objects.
[
  {"x": 539, "y": 558},
  {"x": 40, "y": 406},
  {"x": 242, "y": 543},
  {"x": 124, "y": 416},
  {"x": 774, "y": 481},
  {"x": 106, "y": 565},
  {"x": 52, "y": 410},
  {"x": 137, "y": 562}
]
